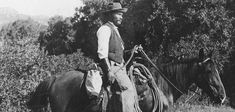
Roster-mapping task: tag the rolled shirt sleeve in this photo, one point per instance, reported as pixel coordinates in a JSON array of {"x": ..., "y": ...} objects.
[{"x": 103, "y": 35}]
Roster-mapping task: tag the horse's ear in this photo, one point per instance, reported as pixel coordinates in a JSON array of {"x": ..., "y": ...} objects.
[{"x": 201, "y": 54}]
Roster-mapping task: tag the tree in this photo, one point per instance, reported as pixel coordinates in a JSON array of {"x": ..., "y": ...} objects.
[
  {"x": 58, "y": 39},
  {"x": 87, "y": 22},
  {"x": 181, "y": 29}
]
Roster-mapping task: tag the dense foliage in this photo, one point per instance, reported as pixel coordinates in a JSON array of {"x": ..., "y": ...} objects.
[
  {"x": 167, "y": 29},
  {"x": 190, "y": 25},
  {"x": 23, "y": 65},
  {"x": 57, "y": 39}
]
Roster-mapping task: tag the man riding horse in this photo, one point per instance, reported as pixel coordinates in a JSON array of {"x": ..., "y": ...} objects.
[
  {"x": 66, "y": 92},
  {"x": 110, "y": 52}
]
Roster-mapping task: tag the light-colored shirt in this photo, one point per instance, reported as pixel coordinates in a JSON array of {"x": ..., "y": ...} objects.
[{"x": 103, "y": 35}]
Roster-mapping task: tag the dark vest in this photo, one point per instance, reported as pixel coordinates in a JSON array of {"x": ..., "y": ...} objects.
[{"x": 115, "y": 45}]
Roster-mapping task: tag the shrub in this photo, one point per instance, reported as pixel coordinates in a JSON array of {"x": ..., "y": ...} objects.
[
  {"x": 22, "y": 71},
  {"x": 23, "y": 66}
]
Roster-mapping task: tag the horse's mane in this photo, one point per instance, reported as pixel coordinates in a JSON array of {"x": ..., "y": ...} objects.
[
  {"x": 182, "y": 60},
  {"x": 177, "y": 71},
  {"x": 177, "y": 65}
]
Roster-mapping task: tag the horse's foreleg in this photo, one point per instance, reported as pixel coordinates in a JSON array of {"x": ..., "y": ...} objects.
[{"x": 92, "y": 107}]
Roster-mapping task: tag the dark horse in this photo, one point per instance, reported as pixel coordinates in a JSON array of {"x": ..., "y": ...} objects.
[
  {"x": 66, "y": 93},
  {"x": 183, "y": 73}
]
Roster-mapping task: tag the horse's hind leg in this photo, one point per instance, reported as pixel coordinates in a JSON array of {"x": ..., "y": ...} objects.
[{"x": 39, "y": 98}]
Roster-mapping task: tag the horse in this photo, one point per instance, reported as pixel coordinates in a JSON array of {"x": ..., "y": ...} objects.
[
  {"x": 62, "y": 92},
  {"x": 66, "y": 93},
  {"x": 200, "y": 70}
]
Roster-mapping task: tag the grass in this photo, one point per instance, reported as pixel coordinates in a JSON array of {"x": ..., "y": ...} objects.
[
  {"x": 185, "y": 107},
  {"x": 198, "y": 103}
]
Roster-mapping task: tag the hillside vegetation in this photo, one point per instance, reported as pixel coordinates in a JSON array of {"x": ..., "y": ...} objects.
[{"x": 167, "y": 29}]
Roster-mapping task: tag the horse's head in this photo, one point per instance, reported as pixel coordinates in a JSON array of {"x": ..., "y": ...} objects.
[{"x": 209, "y": 79}]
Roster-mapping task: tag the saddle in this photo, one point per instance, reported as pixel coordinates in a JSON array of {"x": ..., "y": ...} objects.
[
  {"x": 93, "y": 89},
  {"x": 98, "y": 92},
  {"x": 100, "y": 103},
  {"x": 97, "y": 103}
]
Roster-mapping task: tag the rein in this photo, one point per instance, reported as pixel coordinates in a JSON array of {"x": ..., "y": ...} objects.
[
  {"x": 159, "y": 71},
  {"x": 140, "y": 49}
]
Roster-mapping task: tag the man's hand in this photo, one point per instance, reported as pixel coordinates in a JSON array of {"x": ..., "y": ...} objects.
[{"x": 111, "y": 77}]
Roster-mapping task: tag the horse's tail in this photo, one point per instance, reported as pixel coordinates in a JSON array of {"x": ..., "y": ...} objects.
[{"x": 40, "y": 97}]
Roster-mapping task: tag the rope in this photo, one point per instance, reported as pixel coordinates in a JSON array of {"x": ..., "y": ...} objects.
[
  {"x": 158, "y": 102},
  {"x": 159, "y": 71},
  {"x": 130, "y": 72}
]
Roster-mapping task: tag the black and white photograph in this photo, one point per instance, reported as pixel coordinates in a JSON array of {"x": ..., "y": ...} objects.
[{"x": 117, "y": 55}]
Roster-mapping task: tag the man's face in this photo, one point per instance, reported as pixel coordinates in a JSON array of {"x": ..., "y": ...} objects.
[{"x": 117, "y": 18}]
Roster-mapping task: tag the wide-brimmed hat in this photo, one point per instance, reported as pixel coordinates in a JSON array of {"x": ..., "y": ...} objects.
[{"x": 114, "y": 6}]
